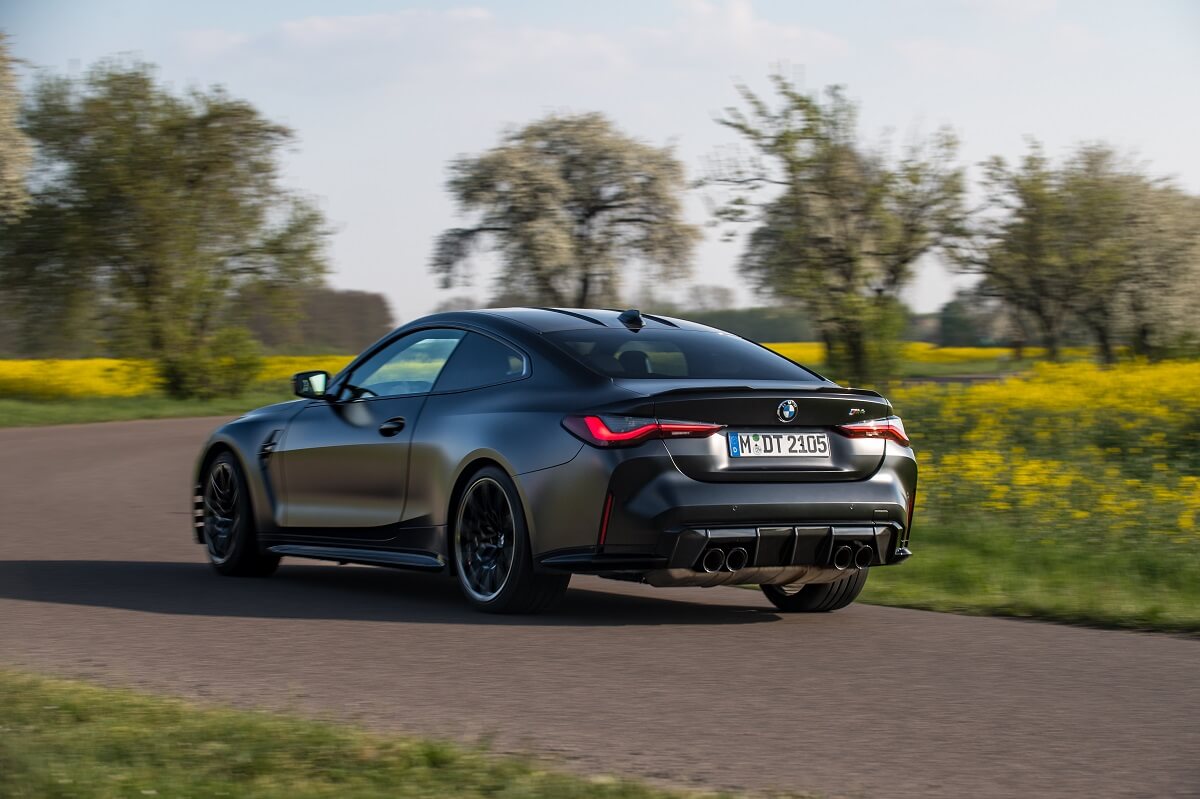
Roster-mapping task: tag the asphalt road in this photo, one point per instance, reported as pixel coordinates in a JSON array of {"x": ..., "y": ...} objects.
[{"x": 98, "y": 579}]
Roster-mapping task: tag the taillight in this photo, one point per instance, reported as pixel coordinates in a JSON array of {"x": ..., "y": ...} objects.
[
  {"x": 890, "y": 428},
  {"x": 629, "y": 431}
]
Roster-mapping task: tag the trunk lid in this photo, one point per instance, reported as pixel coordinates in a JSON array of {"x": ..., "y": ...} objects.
[{"x": 784, "y": 432}]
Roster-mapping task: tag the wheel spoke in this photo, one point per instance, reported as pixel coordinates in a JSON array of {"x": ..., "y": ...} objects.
[{"x": 220, "y": 502}]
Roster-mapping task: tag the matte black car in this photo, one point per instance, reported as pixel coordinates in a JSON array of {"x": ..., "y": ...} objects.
[{"x": 513, "y": 448}]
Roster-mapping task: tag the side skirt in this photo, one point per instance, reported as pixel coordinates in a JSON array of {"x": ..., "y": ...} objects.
[{"x": 369, "y": 557}]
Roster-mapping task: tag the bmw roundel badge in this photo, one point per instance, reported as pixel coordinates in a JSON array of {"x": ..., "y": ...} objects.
[{"x": 787, "y": 410}]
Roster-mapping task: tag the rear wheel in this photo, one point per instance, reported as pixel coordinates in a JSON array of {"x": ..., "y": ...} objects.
[
  {"x": 818, "y": 598},
  {"x": 229, "y": 535},
  {"x": 491, "y": 549}
]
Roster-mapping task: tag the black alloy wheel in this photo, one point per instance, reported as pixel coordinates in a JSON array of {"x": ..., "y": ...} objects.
[
  {"x": 491, "y": 549},
  {"x": 229, "y": 535},
  {"x": 485, "y": 539}
]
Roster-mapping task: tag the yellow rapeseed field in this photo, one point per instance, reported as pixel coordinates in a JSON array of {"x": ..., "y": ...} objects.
[
  {"x": 812, "y": 353},
  {"x": 1076, "y": 449},
  {"x": 110, "y": 377},
  {"x": 77, "y": 378}
]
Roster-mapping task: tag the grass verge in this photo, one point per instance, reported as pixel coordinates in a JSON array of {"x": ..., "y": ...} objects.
[
  {"x": 64, "y": 738},
  {"x": 994, "y": 571},
  {"x": 27, "y": 413}
]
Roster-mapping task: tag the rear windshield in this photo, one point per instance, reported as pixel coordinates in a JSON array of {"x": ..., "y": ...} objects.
[{"x": 677, "y": 354}]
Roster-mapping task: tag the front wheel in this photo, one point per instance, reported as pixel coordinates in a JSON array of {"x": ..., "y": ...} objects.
[
  {"x": 491, "y": 549},
  {"x": 817, "y": 598},
  {"x": 229, "y": 535}
]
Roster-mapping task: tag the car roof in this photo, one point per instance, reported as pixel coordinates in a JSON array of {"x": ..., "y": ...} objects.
[{"x": 550, "y": 320}]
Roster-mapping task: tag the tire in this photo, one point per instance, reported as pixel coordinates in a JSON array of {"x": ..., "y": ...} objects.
[
  {"x": 819, "y": 598},
  {"x": 491, "y": 552},
  {"x": 229, "y": 535}
]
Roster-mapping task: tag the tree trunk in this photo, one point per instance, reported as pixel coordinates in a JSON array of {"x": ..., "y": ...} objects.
[
  {"x": 1053, "y": 353},
  {"x": 1104, "y": 344},
  {"x": 1141, "y": 341},
  {"x": 856, "y": 352},
  {"x": 585, "y": 287},
  {"x": 1049, "y": 328}
]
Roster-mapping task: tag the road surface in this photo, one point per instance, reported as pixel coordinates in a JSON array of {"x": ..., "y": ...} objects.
[{"x": 98, "y": 579}]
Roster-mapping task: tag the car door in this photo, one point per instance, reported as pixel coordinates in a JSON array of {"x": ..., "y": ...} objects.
[{"x": 345, "y": 460}]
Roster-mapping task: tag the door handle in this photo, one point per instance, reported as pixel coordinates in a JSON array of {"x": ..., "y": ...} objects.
[{"x": 391, "y": 427}]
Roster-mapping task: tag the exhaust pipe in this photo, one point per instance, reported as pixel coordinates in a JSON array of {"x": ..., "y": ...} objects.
[
  {"x": 843, "y": 556},
  {"x": 736, "y": 559},
  {"x": 713, "y": 560},
  {"x": 864, "y": 557}
]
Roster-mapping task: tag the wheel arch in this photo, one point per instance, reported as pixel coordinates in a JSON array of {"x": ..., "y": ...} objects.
[
  {"x": 468, "y": 469},
  {"x": 217, "y": 446}
]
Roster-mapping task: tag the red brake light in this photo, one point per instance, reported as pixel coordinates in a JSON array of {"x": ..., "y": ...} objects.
[
  {"x": 629, "y": 431},
  {"x": 890, "y": 428}
]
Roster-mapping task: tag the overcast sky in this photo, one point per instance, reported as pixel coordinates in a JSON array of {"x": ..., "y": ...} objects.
[{"x": 383, "y": 95}]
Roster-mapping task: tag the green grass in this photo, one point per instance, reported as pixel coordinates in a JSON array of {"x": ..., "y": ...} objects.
[
  {"x": 993, "y": 571},
  {"x": 71, "y": 739},
  {"x": 26, "y": 413}
]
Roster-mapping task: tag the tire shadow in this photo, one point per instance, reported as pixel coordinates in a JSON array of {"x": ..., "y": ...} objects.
[{"x": 333, "y": 592}]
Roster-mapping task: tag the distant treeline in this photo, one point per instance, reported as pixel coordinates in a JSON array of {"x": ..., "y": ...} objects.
[{"x": 324, "y": 321}]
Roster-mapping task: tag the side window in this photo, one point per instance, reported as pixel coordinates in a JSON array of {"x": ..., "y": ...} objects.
[
  {"x": 409, "y": 365},
  {"x": 481, "y": 361}
]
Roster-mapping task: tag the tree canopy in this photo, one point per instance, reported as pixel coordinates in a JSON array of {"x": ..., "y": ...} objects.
[
  {"x": 151, "y": 211},
  {"x": 568, "y": 202},
  {"x": 837, "y": 227},
  {"x": 1092, "y": 240}
]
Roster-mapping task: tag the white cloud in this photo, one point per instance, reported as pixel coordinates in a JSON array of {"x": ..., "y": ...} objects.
[
  {"x": 473, "y": 13},
  {"x": 475, "y": 40},
  {"x": 714, "y": 29},
  {"x": 1014, "y": 10},
  {"x": 211, "y": 42},
  {"x": 936, "y": 55},
  {"x": 1076, "y": 40}
]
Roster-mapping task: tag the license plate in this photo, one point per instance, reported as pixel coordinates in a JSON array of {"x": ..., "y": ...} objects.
[{"x": 778, "y": 445}]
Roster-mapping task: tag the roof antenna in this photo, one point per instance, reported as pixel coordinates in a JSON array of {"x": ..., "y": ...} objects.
[{"x": 632, "y": 319}]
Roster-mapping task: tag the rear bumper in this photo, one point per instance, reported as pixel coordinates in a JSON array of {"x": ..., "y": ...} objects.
[
  {"x": 662, "y": 522},
  {"x": 771, "y": 555}
]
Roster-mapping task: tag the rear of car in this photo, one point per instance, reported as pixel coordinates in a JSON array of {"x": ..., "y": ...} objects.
[{"x": 725, "y": 463}]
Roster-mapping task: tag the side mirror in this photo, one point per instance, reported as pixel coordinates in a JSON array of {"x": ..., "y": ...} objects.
[{"x": 310, "y": 385}]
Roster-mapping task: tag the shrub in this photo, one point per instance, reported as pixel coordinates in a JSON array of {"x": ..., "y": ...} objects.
[{"x": 226, "y": 364}]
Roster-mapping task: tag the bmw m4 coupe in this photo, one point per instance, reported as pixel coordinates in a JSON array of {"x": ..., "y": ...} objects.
[{"x": 513, "y": 448}]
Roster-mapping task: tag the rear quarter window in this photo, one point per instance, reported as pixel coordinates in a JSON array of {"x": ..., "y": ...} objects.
[{"x": 481, "y": 361}]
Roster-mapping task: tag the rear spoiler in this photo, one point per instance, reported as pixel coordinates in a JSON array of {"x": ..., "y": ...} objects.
[{"x": 821, "y": 389}]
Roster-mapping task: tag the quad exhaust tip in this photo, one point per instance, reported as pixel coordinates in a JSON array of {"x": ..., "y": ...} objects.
[
  {"x": 843, "y": 556},
  {"x": 713, "y": 560},
  {"x": 863, "y": 557},
  {"x": 737, "y": 559}
]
